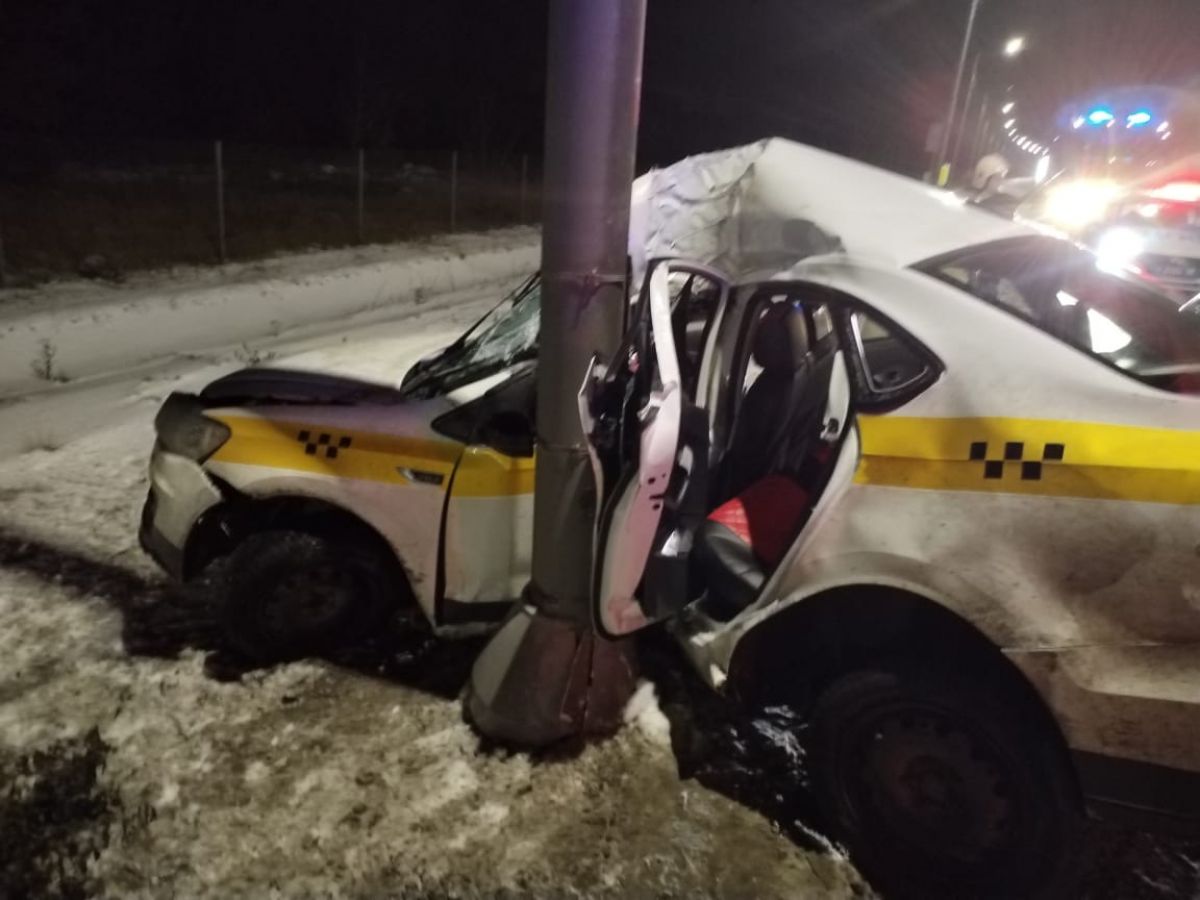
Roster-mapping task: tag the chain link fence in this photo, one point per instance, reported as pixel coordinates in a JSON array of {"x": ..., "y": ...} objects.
[{"x": 101, "y": 209}]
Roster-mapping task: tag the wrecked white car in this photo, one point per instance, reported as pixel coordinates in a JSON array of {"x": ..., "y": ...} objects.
[
  {"x": 940, "y": 486},
  {"x": 923, "y": 472},
  {"x": 1152, "y": 233}
]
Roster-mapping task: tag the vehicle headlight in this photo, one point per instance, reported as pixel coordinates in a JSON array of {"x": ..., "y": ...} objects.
[
  {"x": 1077, "y": 204},
  {"x": 1118, "y": 250},
  {"x": 182, "y": 428}
]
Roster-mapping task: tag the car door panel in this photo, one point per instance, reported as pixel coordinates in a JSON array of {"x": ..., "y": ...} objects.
[
  {"x": 488, "y": 538},
  {"x": 653, "y": 481},
  {"x": 636, "y": 507},
  {"x": 487, "y": 534}
]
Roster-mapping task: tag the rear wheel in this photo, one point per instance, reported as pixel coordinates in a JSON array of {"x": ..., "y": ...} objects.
[
  {"x": 945, "y": 783},
  {"x": 291, "y": 594}
]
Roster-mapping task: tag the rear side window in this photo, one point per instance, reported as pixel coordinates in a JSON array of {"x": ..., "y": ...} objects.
[
  {"x": 1058, "y": 288},
  {"x": 890, "y": 368},
  {"x": 695, "y": 299}
]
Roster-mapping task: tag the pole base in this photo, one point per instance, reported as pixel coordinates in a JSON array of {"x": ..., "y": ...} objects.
[{"x": 541, "y": 680}]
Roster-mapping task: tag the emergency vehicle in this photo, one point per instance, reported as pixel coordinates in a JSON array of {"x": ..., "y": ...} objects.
[
  {"x": 1152, "y": 232},
  {"x": 924, "y": 473}
]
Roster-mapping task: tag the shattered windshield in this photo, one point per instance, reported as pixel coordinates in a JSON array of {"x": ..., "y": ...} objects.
[
  {"x": 1058, "y": 288},
  {"x": 505, "y": 336}
]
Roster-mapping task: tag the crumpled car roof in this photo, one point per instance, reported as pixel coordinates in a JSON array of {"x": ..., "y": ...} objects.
[{"x": 765, "y": 206}]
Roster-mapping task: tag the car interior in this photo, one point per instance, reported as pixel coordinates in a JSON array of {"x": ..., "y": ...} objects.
[
  {"x": 776, "y": 464},
  {"x": 741, "y": 494}
]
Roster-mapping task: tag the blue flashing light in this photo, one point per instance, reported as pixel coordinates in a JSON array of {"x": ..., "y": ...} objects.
[
  {"x": 1138, "y": 119},
  {"x": 1100, "y": 116}
]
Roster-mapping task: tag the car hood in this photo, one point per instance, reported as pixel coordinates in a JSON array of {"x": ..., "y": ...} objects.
[{"x": 276, "y": 387}]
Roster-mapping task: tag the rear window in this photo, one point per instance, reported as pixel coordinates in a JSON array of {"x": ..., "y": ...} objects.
[{"x": 1057, "y": 288}]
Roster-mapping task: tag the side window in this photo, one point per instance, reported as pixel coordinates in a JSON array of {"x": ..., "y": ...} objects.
[
  {"x": 890, "y": 368},
  {"x": 822, "y": 323},
  {"x": 694, "y": 302},
  {"x": 1068, "y": 293},
  {"x": 754, "y": 365},
  {"x": 996, "y": 289},
  {"x": 501, "y": 419}
]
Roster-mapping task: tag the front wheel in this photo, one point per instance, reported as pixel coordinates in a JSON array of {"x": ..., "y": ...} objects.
[
  {"x": 291, "y": 594},
  {"x": 944, "y": 784}
]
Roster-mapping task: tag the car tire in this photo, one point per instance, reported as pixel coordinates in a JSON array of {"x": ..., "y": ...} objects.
[
  {"x": 945, "y": 783},
  {"x": 290, "y": 594}
]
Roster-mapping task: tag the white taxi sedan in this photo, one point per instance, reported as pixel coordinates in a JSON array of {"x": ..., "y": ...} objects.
[
  {"x": 924, "y": 473},
  {"x": 948, "y": 504}
]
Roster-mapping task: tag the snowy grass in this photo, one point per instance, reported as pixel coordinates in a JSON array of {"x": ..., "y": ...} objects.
[{"x": 85, "y": 330}]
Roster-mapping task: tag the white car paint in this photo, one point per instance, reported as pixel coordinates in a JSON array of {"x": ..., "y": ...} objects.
[
  {"x": 488, "y": 533},
  {"x": 639, "y": 509},
  {"x": 1091, "y": 595},
  {"x": 1089, "y": 584}
]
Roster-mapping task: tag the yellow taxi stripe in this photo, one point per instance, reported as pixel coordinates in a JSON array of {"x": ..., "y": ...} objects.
[
  {"x": 370, "y": 456},
  {"x": 485, "y": 473},
  {"x": 1095, "y": 482},
  {"x": 374, "y": 442},
  {"x": 329, "y": 450},
  {"x": 1031, "y": 456},
  {"x": 1086, "y": 443}
]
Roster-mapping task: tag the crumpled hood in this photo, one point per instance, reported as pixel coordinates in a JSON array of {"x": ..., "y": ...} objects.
[{"x": 249, "y": 387}]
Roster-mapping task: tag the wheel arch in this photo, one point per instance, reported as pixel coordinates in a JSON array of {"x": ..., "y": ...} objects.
[
  {"x": 221, "y": 529},
  {"x": 792, "y": 655}
]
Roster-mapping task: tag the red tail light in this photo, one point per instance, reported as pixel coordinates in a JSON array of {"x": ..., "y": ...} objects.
[{"x": 1178, "y": 192}]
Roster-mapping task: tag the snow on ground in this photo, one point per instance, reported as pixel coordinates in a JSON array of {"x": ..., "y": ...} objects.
[
  {"x": 75, "y": 330},
  {"x": 142, "y": 776},
  {"x": 376, "y": 345}
]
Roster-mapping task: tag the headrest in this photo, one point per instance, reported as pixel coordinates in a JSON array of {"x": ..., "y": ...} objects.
[{"x": 781, "y": 341}]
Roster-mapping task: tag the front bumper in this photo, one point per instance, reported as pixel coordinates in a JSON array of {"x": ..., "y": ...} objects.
[
  {"x": 157, "y": 547},
  {"x": 180, "y": 492}
]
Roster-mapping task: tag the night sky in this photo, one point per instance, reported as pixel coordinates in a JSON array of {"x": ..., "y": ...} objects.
[{"x": 863, "y": 77}]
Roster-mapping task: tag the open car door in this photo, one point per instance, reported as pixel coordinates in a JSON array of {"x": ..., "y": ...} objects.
[{"x": 649, "y": 441}]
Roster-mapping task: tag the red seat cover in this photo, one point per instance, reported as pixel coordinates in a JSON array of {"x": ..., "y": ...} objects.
[{"x": 767, "y": 516}]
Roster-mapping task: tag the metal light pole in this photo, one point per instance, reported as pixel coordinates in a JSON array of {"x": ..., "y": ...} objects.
[
  {"x": 943, "y": 175},
  {"x": 966, "y": 110},
  {"x": 1013, "y": 47},
  {"x": 546, "y": 675},
  {"x": 979, "y": 143}
]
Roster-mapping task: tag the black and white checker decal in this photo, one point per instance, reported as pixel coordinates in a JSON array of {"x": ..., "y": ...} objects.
[
  {"x": 994, "y": 465},
  {"x": 325, "y": 441}
]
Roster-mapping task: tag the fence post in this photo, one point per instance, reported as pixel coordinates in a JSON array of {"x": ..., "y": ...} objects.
[
  {"x": 454, "y": 190},
  {"x": 220, "y": 163},
  {"x": 362, "y": 190},
  {"x": 524, "y": 186}
]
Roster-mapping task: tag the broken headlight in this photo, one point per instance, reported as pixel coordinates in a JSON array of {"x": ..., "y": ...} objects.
[{"x": 182, "y": 428}]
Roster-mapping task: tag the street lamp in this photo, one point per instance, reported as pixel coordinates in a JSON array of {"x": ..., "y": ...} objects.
[
  {"x": 1012, "y": 48},
  {"x": 546, "y": 674},
  {"x": 943, "y": 174},
  {"x": 1014, "y": 45}
]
